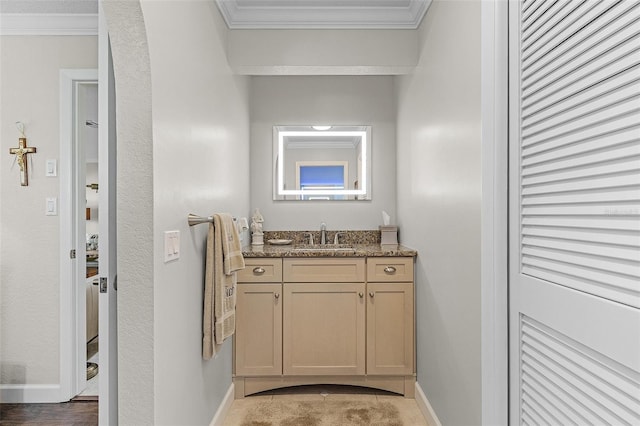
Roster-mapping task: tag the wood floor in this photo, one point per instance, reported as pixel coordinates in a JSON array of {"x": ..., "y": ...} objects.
[{"x": 75, "y": 413}]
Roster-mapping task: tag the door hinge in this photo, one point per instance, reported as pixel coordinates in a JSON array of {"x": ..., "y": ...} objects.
[
  {"x": 72, "y": 253},
  {"x": 103, "y": 284}
]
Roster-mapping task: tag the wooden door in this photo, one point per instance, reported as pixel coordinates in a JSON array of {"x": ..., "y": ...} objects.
[
  {"x": 390, "y": 347},
  {"x": 324, "y": 329},
  {"x": 258, "y": 338},
  {"x": 574, "y": 284}
]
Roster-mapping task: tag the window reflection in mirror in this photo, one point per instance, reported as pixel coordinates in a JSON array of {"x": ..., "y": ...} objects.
[{"x": 329, "y": 164}]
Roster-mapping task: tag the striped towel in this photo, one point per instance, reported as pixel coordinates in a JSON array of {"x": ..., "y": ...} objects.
[{"x": 219, "y": 320}]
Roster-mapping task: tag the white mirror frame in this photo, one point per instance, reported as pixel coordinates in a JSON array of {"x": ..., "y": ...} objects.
[{"x": 279, "y": 135}]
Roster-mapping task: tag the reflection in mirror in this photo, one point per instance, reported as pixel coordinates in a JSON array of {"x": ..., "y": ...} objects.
[{"x": 322, "y": 163}]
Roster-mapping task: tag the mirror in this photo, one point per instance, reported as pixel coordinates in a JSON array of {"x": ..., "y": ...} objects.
[{"x": 322, "y": 163}]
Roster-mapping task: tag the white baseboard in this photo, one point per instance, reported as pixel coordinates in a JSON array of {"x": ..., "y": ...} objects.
[
  {"x": 29, "y": 393},
  {"x": 425, "y": 407},
  {"x": 224, "y": 408}
]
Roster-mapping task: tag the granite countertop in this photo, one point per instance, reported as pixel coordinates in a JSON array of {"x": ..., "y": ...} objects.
[{"x": 318, "y": 250}]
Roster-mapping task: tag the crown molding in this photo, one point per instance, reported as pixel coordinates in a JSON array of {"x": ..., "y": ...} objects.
[
  {"x": 322, "y": 15},
  {"x": 61, "y": 24}
]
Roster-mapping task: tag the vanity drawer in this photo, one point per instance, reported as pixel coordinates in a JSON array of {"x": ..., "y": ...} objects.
[
  {"x": 389, "y": 269},
  {"x": 315, "y": 270},
  {"x": 261, "y": 270}
]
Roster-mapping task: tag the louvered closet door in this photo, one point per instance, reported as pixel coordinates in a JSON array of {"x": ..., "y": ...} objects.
[{"x": 574, "y": 284}]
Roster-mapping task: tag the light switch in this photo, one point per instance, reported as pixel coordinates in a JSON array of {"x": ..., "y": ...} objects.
[
  {"x": 52, "y": 168},
  {"x": 171, "y": 245},
  {"x": 51, "y": 207}
]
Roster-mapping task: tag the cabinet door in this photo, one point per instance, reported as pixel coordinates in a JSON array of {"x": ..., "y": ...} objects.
[
  {"x": 324, "y": 329},
  {"x": 258, "y": 337},
  {"x": 390, "y": 348}
]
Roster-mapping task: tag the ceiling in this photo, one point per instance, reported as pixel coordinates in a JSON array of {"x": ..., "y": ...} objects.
[{"x": 276, "y": 14}]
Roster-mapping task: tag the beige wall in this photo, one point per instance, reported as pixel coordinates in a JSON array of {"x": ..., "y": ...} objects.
[
  {"x": 29, "y": 240},
  {"x": 186, "y": 142},
  {"x": 439, "y": 200},
  {"x": 322, "y": 52},
  {"x": 339, "y": 100}
]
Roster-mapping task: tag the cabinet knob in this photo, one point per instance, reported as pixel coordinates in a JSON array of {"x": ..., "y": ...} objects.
[
  {"x": 390, "y": 270},
  {"x": 361, "y": 295},
  {"x": 259, "y": 270},
  {"x": 371, "y": 294},
  {"x": 276, "y": 295}
]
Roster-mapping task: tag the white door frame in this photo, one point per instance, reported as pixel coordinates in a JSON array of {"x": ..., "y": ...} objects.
[
  {"x": 494, "y": 257},
  {"x": 72, "y": 301}
]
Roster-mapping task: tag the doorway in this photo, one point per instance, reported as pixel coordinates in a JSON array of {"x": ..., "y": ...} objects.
[
  {"x": 86, "y": 130},
  {"x": 79, "y": 238}
]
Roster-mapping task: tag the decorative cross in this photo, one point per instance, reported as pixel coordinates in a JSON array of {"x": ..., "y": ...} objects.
[{"x": 21, "y": 154}]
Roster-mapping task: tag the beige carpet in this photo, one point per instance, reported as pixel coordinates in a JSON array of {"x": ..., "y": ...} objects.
[{"x": 322, "y": 413}]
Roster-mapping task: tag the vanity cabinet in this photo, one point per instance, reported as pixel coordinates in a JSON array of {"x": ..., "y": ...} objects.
[
  {"x": 334, "y": 320},
  {"x": 258, "y": 338},
  {"x": 324, "y": 316},
  {"x": 390, "y": 316}
]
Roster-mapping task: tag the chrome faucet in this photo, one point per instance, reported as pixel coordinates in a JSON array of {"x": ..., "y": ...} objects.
[
  {"x": 336, "y": 238},
  {"x": 323, "y": 233},
  {"x": 310, "y": 235}
]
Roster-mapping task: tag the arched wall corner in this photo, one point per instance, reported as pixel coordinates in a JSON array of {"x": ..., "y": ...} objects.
[{"x": 134, "y": 132}]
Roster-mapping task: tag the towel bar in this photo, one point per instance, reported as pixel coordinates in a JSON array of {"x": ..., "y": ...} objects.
[{"x": 194, "y": 219}]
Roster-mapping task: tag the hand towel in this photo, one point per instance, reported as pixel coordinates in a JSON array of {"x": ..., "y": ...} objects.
[
  {"x": 231, "y": 246},
  {"x": 220, "y": 289}
]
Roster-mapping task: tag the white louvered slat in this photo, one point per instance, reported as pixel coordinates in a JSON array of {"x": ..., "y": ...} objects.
[
  {"x": 568, "y": 74},
  {"x": 582, "y": 168},
  {"x": 564, "y": 388},
  {"x": 626, "y": 227},
  {"x": 532, "y": 14},
  {"x": 580, "y": 55},
  {"x": 629, "y": 152},
  {"x": 580, "y": 29},
  {"x": 603, "y": 102},
  {"x": 565, "y": 373},
  {"x": 584, "y": 231},
  {"x": 596, "y": 374},
  {"x": 631, "y": 254},
  {"x": 536, "y": 395},
  {"x": 623, "y": 195},
  {"x": 625, "y": 81},
  {"x": 556, "y": 394},
  {"x": 603, "y": 210},
  {"x": 598, "y": 265},
  {"x": 526, "y": 5},
  {"x": 613, "y": 180},
  {"x": 536, "y": 48},
  {"x": 600, "y": 70},
  {"x": 567, "y": 125},
  {"x": 544, "y": 22},
  {"x": 568, "y": 149}
]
